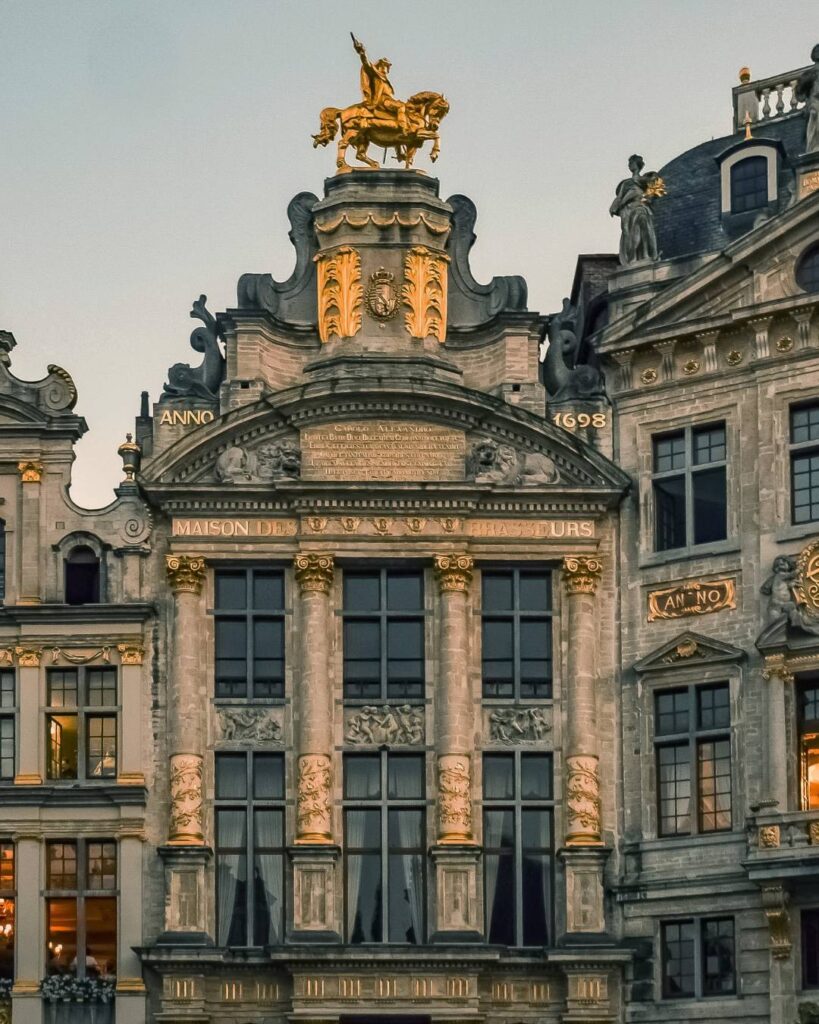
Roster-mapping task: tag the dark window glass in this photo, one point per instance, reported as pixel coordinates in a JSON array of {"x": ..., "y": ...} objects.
[
  {"x": 718, "y": 956},
  {"x": 807, "y": 270},
  {"x": 517, "y": 842},
  {"x": 7, "y": 723},
  {"x": 805, "y": 463},
  {"x": 249, "y": 632},
  {"x": 516, "y": 633},
  {"x": 82, "y": 723},
  {"x": 82, "y": 576},
  {"x": 693, "y": 771},
  {"x": 384, "y": 635},
  {"x": 250, "y": 849},
  {"x": 678, "y": 959},
  {"x": 385, "y": 847},
  {"x": 810, "y": 948},
  {"x": 7, "y": 907},
  {"x": 81, "y": 908},
  {"x": 749, "y": 184},
  {"x": 690, "y": 495}
]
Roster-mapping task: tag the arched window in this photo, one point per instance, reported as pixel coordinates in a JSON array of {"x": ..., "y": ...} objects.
[
  {"x": 2, "y": 559},
  {"x": 807, "y": 270},
  {"x": 749, "y": 184},
  {"x": 82, "y": 576}
]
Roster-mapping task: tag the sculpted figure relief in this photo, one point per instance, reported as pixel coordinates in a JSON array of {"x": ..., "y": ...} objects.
[
  {"x": 784, "y": 587},
  {"x": 382, "y": 119},
  {"x": 567, "y": 372},
  {"x": 493, "y": 463},
  {"x": 807, "y": 89},
  {"x": 202, "y": 381},
  {"x": 386, "y": 726},
  {"x": 517, "y": 725},
  {"x": 638, "y": 239},
  {"x": 270, "y": 462},
  {"x": 249, "y": 724}
]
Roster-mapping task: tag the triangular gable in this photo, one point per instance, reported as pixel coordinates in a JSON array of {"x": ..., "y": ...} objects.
[{"x": 689, "y": 648}]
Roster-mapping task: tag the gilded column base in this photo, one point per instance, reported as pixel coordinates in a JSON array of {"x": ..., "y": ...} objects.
[
  {"x": 28, "y": 779},
  {"x": 582, "y": 801},
  {"x": 454, "y": 799},
  {"x": 315, "y": 813}
]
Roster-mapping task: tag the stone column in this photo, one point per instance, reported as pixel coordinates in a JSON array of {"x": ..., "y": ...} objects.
[
  {"x": 779, "y": 681},
  {"x": 30, "y": 731},
  {"x": 29, "y": 941},
  {"x": 458, "y": 908},
  {"x": 28, "y": 580},
  {"x": 130, "y": 760},
  {"x": 315, "y": 855},
  {"x": 186, "y": 852},
  {"x": 584, "y": 854},
  {"x": 130, "y": 986}
]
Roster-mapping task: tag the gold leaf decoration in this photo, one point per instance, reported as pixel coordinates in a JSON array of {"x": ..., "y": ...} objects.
[
  {"x": 424, "y": 293},
  {"x": 340, "y": 293}
]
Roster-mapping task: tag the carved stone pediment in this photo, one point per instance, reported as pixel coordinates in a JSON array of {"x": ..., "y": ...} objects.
[{"x": 688, "y": 648}]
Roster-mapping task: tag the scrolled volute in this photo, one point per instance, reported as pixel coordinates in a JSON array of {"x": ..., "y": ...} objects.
[
  {"x": 314, "y": 572},
  {"x": 186, "y": 573},
  {"x": 581, "y": 573},
  {"x": 454, "y": 571}
]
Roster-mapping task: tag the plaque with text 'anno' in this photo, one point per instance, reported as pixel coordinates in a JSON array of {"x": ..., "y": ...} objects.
[
  {"x": 382, "y": 450},
  {"x": 695, "y": 597}
]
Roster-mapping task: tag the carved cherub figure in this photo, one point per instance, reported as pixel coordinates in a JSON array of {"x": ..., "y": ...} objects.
[{"x": 779, "y": 586}]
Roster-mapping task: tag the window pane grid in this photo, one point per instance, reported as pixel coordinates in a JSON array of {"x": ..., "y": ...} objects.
[
  {"x": 249, "y": 631},
  {"x": 749, "y": 184},
  {"x": 81, "y": 742},
  {"x": 7, "y": 724},
  {"x": 516, "y": 631},
  {"x": 698, "y": 958}
]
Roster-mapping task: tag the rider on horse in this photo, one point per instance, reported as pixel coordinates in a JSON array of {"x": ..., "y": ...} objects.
[{"x": 377, "y": 90}]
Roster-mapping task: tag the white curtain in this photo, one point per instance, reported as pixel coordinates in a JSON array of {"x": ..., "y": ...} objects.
[
  {"x": 354, "y": 837},
  {"x": 413, "y": 869},
  {"x": 231, "y": 869}
]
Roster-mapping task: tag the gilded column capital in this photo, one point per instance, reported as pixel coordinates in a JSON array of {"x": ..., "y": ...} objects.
[
  {"x": 776, "y": 668},
  {"x": 581, "y": 573},
  {"x": 314, "y": 572},
  {"x": 454, "y": 571},
  {"x": 186, "y": 573},
  {"x": 31, "y": 471},
  {"x": 28, "y": 657},
  {"x": 131, "y": 654}
]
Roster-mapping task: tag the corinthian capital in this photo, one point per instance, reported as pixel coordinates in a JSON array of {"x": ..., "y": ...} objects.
[
  {"x": 581, "y": 573},
  {"x": 186, "y": 573},
  {"x": 314, "y": 572},
  {"x": 776, "y": 667},
  {"x": 31, "y": 472},
  {"x": 454, "y": 571}
]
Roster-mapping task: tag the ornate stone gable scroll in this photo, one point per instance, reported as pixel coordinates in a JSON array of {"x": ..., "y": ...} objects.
[
  {"x": 424, "y": 293},
  {"x": 340, "y": 293},
  {"x": 314, "y": 811},
  {"x": 454, "y": 799}
]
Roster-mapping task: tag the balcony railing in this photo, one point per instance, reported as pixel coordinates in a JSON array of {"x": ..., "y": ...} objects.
[
  {"x": 767, "y": 99},
  {"x": 774, "y": 835}
]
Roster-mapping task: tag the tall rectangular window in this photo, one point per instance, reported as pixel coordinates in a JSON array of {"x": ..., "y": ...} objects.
[
  {"x": 7, "y": 905},
  {"x": 517, "y": 839},
  {"x": 693, "y": 749},
  {"x": 516, "y": 631},
  {"x": 810, "y": 948},
  {"x": 383, "y": 635},
  {"x": 7, "y": 723},
  {"x": 250, "y": 849},
  {"x": 81, "y": 723},
  {"x": 249, "y": 627},
  {"x": 698, "y": 958},
  {"x": 385, "y": 847},
  {"x": 689, "y": 481},
  {"x": 808, "y": 721},
  {"x": 81, "y": 907},
  {"x": 804, "y": 450}
]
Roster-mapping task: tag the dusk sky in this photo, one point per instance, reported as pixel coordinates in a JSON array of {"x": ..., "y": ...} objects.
[{"x": 150, "y": 150}]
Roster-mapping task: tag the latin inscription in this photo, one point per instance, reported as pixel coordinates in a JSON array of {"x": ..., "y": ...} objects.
[
  {"x": 694, "y": 598},
  {"x": 382, "y": 450}
]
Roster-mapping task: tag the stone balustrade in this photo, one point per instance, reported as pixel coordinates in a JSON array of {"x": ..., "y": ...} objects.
[
  {"x": 767, "y": 99},
  {"x": 774, "y": 834}
]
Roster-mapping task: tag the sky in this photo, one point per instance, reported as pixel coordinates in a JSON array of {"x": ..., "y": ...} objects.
[{"x": 149, "y": 150}]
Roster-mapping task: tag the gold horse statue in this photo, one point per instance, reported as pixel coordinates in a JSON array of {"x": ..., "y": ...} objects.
[{"x": 382, "y": 119}]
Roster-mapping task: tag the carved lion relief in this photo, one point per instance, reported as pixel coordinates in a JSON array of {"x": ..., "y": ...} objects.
[{"x": 492, "y": 463}]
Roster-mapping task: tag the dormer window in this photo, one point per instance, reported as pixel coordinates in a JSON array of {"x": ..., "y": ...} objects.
[
  {"x": 82, "y": 576},
  {"x": 748, "y": 175},
  {"x": 807, "y": 270},
  {"x": 749, "y": 184}
]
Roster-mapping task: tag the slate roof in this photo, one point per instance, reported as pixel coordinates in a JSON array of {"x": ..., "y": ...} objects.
[{"x": 688, "y": 218}]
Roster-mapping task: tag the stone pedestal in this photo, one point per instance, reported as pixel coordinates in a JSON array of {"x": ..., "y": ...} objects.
[
  {"x": 314, "y": 914},
  {"x": 186, "y": 918},
  {"x": 458, "y": 900},
  {"x": 778, "y": 681},
  {"x": 28, "y": 580},
  {"x": 585, "y": 910},
  {"x": 314, "y": 708}
]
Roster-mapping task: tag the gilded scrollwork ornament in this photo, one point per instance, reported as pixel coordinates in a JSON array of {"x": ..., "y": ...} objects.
[
  {"x": 582, "y": 801},
  {"x": 581, "y": 573},
  {"x": 454, "y": 799},
  {"x": 314, "y": 809},
  {"x": 314, "y": 572},
  {"x": 186, "y": 573},
  {"x": 31, "y": 471},
  {"x": 454, "y": 571},
  {"x": 424, "y": 293},
  {"x": 340, "y": 293},
  {"x": 186, "y": 826}
]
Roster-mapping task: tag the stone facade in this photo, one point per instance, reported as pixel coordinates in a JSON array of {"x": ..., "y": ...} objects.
[{"x": 379, "y": 418}]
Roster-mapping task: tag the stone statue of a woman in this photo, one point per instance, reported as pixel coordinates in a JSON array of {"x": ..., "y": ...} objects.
[{"x": 638, "y": 240}]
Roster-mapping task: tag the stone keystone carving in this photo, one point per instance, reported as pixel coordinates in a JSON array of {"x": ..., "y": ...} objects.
[
  {"x": 581, "y": 573},
  {"x": 314, "y": 572},
  {"x": 186, "y": 799},
  {"x": 386, "y": 726},
  {"x": 258, "y": 725},
  {"x": 454, "y": 799},
  {"x": 186, "y": 573},
  {"x": 314, "y": 812},
  {"x": 454, "y": 571},
  {"x": 424, "y": 293},
  {"x": 340, "y": 293},
  {"x": 583, "y": 800},
  {"x": 518, "y": 725}
]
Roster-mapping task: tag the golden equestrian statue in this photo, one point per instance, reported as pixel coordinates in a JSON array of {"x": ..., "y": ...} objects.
[{"x": 382, "y": 119}]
